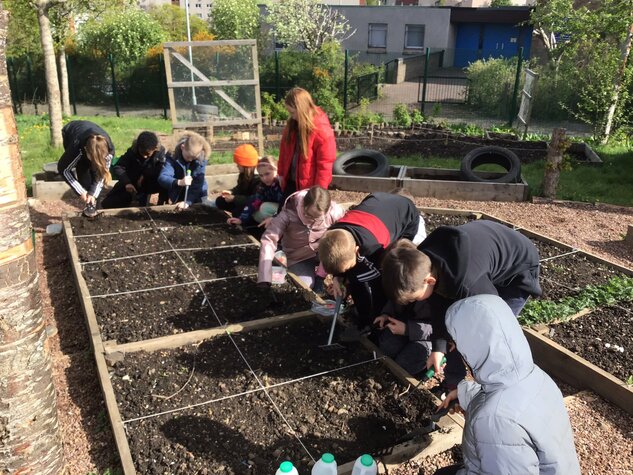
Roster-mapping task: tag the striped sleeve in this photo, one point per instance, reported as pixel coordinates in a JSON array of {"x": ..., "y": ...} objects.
[
  {"x": 99, "y": 185},
  {"x": 70, "y": 178}
]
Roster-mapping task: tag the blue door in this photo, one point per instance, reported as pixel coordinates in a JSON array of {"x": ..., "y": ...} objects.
[
  {"x": 477, "y": 41},
  {"x": 467, "y": 44}
]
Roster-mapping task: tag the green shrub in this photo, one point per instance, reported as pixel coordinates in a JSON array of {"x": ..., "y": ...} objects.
[
  {"x": 401, "y": 115},
  {"x": 491, "y": 85},
  {"x": 417, "y": 117}
]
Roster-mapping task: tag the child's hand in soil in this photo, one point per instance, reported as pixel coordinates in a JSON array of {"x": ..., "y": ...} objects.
[
  {"x": 181, "y": 205},
  {"x": 336, "y": 287},
  {"x": 234, "y": 221},
  {"x": 396, "y": 326},
  {"x": 380, "y": 321}
]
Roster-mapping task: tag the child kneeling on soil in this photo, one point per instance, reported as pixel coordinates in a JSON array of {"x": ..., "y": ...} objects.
[
  {"x": 353, "y": 247},
  {"x": 265, "y": 203},
  {"x": 303, "y": 219},
  {"x": 516, "y": 420},
  {"x": 246, "y": 158},
  {"x": 183, "y": 173},
  {"x": 405, "y": 334},
  {"x": 138, "y": 170}
]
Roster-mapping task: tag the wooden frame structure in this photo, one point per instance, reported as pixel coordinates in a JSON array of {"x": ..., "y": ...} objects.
[
  {"x": 552, "y": 357},
  {"x": 253, "y": 118}
]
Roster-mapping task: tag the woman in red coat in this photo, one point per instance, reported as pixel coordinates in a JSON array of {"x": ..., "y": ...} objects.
[{"x": 308, "y": 147}]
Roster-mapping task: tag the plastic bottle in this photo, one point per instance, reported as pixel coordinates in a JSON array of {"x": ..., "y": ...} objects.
[
  {"x": 286, "y": 468},
  {"x": 365, "y": 465},
  {"x": 326, "y": 465}
]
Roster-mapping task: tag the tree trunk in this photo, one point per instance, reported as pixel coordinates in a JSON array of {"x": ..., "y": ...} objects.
[
  {"x": 50, "y": 67},
  {"x": 553, "y": 163},
  {"x": 625, "y": 51},
  {"x": 29, "y": 438},
  {"x": 63, "y": 81}
]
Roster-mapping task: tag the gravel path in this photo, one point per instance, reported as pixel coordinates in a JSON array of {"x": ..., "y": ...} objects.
[{"x": 603, "y": 433}]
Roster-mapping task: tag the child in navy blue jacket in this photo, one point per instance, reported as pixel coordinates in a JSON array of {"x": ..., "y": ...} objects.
[
  {"x": 263, "y": 205},
  {"x": 183, "y": 173}
]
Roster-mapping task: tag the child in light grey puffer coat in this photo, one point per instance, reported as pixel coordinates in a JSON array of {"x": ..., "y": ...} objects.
[{"x": 516, "y": 421}]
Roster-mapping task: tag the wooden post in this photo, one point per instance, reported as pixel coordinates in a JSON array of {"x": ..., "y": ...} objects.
[{"x": 553, "y": 163}]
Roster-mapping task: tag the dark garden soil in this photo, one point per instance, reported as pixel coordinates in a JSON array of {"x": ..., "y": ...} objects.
[
  {"x": 598, "y": 337},
  {"x": 124, "y": 221},
  {"x": 194, "y": 216},
  {"x": 145, "y": 315},
  {"x": 566, "y": 275},
  {"x": 190, "y": 237},
  {"x": 226, "y": 262},
  {"x": 547, "y": 250},
  {"x": 135, "y": 274},
  {"x": 442, "y": 143},
  {"x": 241, "y": 299},
  {"x": 120, "y": 245},
  {"x": 347, "y": 411},
  {"x": 433, "y": 221}
]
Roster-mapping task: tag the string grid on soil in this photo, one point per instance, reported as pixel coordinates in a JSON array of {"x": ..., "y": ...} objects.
[{"x": 347, "y": 412}]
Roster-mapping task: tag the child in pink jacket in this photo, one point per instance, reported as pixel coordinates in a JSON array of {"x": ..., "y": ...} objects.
[{"x": 304, "y": 218}]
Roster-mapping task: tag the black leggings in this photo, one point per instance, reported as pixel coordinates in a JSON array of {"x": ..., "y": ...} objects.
[
  {"x": 450, "y": 470},
  {"x": 119, "y": 197}
]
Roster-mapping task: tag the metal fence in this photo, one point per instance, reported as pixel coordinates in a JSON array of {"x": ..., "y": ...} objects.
[{"x": 478, "y": 87}]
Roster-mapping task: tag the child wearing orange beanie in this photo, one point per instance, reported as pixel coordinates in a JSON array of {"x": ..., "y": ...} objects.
[{"x": 245, "y": 157}]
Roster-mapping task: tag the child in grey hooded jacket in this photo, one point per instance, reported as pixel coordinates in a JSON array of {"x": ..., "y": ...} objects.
[{"x": 516, "y": 421}]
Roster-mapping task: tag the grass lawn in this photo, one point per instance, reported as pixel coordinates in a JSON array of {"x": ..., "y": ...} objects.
[{"x": 610, "y": 182}]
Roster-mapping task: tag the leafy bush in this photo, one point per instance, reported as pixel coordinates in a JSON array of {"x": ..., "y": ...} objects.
[
  {"x": 363, "y": 117},
  {"x": 491, "y": 85},
  {"x": 417, "y": 117},
  {"x": 401, "y": 116}
]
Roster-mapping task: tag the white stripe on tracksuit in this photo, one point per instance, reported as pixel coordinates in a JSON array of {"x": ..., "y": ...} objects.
[
  {"x": 99, "y": 184},
  {"x": 70, "y": 176}
]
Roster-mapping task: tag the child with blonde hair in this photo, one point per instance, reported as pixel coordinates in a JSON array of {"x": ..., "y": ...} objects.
[
  {"x": 184, "y": 171},
  {"x": 85, "y": 164},
  {"x": 265, "y": 202},
  {"x": 246, "y": 158}
]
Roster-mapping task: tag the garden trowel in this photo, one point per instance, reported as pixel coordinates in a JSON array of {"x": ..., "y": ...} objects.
[{"x": 337, "y": 310}]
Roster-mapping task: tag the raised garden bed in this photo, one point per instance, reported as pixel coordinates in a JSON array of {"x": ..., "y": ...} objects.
[
  {"x": 346, "y": 411},
  {"x": 245, "y": 434},
  {"x": 95, "y": 248},
  {"x": 598, "y": 337}
]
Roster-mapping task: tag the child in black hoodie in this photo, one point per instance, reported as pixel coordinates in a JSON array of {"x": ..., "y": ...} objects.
[
  {"x": 138, "y": 170},
  {"x": 452, "y": 263}
]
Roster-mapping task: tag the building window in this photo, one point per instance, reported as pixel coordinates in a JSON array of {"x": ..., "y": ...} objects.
[
  {"x": 198, "y": 5},
  {"x": 377, "y": 35},
  {"x": 414, "y": 36}
]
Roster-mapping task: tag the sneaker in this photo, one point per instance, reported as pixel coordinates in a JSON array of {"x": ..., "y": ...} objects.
[{"x": 90, "y": 211}]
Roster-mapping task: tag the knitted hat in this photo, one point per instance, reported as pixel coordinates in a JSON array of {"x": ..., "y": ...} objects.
[{"x": 246, "y": 155}]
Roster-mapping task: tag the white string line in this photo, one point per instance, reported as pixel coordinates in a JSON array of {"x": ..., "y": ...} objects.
[
  {"x": 185, "y": 249},
  {"x": 560, "y": 255},
  {"x": 250, "y": 391},
  {"x": 126, "y": 231},
  {"x": 162, "y": 287},
  {"x": 237, "y": 347}
]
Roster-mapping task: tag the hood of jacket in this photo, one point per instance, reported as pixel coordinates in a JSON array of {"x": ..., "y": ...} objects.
[
  {"x": 491, "y": 341},
  {"x": 448, "y": 247}
]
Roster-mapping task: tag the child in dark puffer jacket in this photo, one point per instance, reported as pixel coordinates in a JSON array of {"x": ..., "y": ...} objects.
[
  {"x": 264, "y": 203},
  {"x": 137, "y": 171}
]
